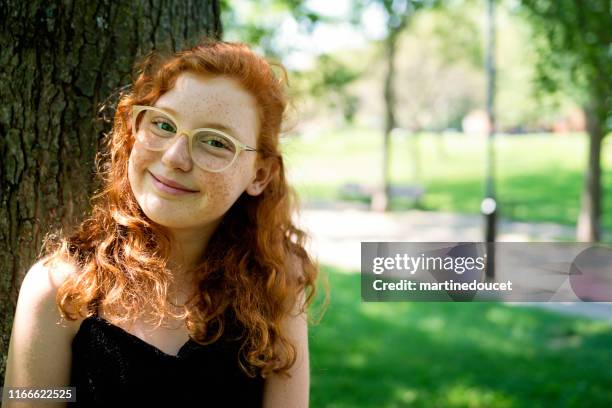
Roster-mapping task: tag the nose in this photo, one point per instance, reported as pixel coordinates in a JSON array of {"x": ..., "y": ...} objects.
[{"x": 177, "y": 155}]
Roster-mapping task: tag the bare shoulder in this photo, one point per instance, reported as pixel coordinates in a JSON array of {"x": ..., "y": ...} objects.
[
  {"x": 57, "y": 269},
  {"x": 40, "y": 346},
  {"x": 38, "y": 291},
  {"x": 42, "y": 281}
]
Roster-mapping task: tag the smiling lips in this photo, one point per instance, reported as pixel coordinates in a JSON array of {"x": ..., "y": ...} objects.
[{"x": 171, "y": 186}]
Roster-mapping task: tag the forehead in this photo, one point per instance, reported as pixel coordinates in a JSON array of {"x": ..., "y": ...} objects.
[{"x": 202, "y": 101}]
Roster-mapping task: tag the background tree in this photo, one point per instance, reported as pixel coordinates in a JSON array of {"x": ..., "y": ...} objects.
[
  {"x": 397, "y": 16},
  {"x": 574, "y": 57},
  {"x": 328, "y": 83},
  {"x": 59, "y": 61}
]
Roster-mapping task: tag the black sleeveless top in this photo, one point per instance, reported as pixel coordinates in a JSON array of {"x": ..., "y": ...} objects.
[{"x": 111, "y": 367}]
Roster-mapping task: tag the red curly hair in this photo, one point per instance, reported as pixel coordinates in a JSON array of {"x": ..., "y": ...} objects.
[{"x": 255, "y": 264}]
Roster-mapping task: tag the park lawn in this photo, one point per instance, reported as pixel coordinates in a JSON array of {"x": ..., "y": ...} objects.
[
  {"x": 538, "y": 177},
  {"x": 454, "y": 354}
]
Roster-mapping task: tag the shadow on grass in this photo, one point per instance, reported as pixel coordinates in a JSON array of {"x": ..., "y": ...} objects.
[{"x": 454, "y": 354}]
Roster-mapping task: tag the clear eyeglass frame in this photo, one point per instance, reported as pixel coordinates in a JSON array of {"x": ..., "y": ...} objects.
[{"x": 137, "y": 109}]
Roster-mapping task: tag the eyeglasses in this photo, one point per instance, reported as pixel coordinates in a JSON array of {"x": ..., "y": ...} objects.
[{"x": 210, "y": 149}]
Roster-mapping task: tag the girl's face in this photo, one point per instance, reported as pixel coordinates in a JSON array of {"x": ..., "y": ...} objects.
[{"x": 198, "y": 102}]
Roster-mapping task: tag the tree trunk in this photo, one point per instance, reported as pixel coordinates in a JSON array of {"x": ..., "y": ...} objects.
[
  {"x": 589, "y": 220},
  {"x": 380, "y": 201},
  {"x": 59, "y": 61}
]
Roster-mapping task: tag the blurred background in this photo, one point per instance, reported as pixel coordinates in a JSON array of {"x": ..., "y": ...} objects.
[
  {"x": 442, "y": 121},
  {"x": 406, "y": 117},
  {"x": 394, "y": 93}
]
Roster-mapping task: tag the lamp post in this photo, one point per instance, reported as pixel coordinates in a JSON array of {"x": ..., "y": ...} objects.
[{"x": 488, "y": 206}]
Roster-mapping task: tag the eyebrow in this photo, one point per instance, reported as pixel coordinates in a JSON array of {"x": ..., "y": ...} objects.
[{"x": 214, "y": 125}]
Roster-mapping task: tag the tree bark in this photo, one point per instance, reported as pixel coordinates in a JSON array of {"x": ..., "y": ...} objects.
[
  {"x": 589, "y": 220},
  {"x": 59, "y": 61}
]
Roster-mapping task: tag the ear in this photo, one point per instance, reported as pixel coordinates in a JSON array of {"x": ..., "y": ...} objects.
[{"x": 264, "y": 171}]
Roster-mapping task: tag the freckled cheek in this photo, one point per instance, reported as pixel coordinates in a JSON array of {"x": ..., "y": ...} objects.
[
  {"x": 140, "y": 160},
  {"x": 224, "y": 189}
]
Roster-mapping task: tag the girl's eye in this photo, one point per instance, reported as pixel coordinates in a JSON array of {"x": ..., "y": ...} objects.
[
  {"x": 165, "y": 126},
  {"x": 217, "y": 143}
]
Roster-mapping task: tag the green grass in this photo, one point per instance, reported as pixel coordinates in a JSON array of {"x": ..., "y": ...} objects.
[
  {"x": 538, "y": 177},
  {"x": 454, "y": 354}
]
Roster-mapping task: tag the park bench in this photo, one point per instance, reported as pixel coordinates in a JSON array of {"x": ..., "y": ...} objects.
[{"x": 365, "y": 193}]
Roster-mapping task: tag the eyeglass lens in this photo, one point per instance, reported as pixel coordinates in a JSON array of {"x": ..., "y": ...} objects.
[{"x": 211, "y": 149}]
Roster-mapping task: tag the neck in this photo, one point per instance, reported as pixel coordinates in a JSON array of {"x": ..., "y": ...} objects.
[{"x": 187, "y": 247}]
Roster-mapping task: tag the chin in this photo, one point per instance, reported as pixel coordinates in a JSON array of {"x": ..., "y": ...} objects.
[{"x": 166, "y": 221}]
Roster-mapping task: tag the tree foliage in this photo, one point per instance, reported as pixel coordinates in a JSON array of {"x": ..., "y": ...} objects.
[{"x": 574, "y": 40}]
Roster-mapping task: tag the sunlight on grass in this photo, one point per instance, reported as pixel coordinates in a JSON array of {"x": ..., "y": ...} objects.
[
  {"x": 426, "y": 354},
  {"x": 462, "y": 395},
  {"x": 405, "y": 395}
]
